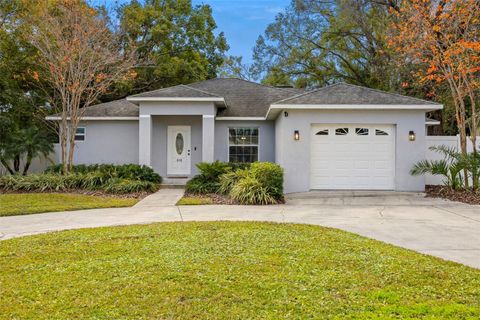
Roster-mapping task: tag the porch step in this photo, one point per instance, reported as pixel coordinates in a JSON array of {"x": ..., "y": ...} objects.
[{"x": 174, "y": 182}]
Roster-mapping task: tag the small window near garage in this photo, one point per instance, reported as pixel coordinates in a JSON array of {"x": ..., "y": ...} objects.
[
  {"x": 80, "y": 134},
  {"x": 361, "y": 131},
  {"x": 379, "y": 132},
  {"x": 341, "y": 131},
  {"x": 322, "y": 132},
  {"x": 243, "y": 145}
]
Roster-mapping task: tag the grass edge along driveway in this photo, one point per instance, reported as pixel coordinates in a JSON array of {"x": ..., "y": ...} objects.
[
  {"x": 12, "y": 204},
  {"x": 227, "y": 270}
]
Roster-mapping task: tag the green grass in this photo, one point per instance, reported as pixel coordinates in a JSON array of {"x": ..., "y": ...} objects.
[
  {"x": 194, "y": 201},
  {"x": 28, "y": 203},
  {"x": 227, "y": 270}
]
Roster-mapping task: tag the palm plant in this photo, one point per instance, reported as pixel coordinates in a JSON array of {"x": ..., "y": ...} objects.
[{"x": 450, "y": 167}]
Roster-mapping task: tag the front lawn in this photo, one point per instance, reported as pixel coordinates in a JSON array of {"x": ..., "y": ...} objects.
[
  {"x": 28, "y": 203},
  {"x": 227, "y": 270}
]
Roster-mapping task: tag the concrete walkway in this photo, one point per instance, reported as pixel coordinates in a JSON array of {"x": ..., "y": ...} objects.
[{"x": 441, "y": 228}]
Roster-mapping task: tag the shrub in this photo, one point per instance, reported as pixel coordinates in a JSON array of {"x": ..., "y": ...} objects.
[
  {"x": 213, "y": 171},
  {"x": 36, "y": 182},
  {"x": 270, "y": 175},
  {"x": 249, "y": 190},
  {"x": 201, "y": 185},
  {"x": 208, "y": 180},
  {"x": 109, "y": 171},
  {"x": 90, "y": 181},
  {"x": 229, "y": 179},
  {"x": 122, "y": 186}
]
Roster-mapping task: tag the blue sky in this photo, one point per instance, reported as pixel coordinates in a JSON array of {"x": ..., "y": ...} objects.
[{"x": 242, "y": 21}]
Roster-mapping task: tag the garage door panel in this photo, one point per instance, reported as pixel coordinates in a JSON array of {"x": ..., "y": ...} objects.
[{"x": 353, "y": 161}]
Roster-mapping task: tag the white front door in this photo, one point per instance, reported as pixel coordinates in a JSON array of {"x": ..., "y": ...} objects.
[
  {"x": 178, "y": 150},
  {"x": 353, "y": 156}
]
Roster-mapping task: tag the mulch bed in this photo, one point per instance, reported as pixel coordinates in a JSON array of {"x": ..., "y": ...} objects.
[
  {"x": 215, "y": 198},
  {"x": 218, "y": 198},
  {"x": 138, "y": 195},
  {"x": 443, "y": 192}
]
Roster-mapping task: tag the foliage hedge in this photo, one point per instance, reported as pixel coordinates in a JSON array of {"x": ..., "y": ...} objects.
[
  {"x": 124, "y": 171},
  {"x": 120, "y": 179},
  {"x": 258, "y": 183}
]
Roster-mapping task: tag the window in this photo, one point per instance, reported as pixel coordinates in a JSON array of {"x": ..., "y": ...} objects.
[
  {"x": 243, "y": 144},
  {"x": 80, "y": 134},
  {"x": 361, "y": 131},
  {"x": 323, "y": 132},
  {"x": 341, "y": 131},
  {"x": 379, "y": 132}
]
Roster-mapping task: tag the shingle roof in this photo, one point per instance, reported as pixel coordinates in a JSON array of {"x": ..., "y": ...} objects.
[
  {"x": 342, "y": 93},
  {"x": 117, "y": 108},
  {"x": 244, "y": 98},
  {"x": 248, "y": 99},
  {"x": 180, "y": 91}
]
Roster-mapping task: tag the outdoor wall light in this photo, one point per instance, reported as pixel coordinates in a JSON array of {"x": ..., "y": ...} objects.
[
  {"x": 285, "y": 114},
  {"x": 296, "y": 135},
  {"x": 411, "y": 136}
]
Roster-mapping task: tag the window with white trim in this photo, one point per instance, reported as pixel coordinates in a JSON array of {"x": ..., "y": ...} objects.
[
  {"x": 243, "y": 145},
  {"x": 80, "y": 134}
]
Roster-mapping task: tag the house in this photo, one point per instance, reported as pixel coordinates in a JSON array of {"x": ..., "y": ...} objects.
[{"x": 338, "y": 137}]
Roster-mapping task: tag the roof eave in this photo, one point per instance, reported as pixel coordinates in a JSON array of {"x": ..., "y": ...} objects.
[
  {"x": 93, "y": 118},
  {"x": 274, "y": 109},
  {"x": 171, "y": 99}
]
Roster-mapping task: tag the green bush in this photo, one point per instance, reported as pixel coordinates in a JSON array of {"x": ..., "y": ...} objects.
[
  {"x": 88, "y": 180},
  {"x": 123, "y": 186},
  {"x": 213, "y": 171},
  {"x": 249, "y": 190},
  {"x": 208, "y": 180},
  {"x": 270, "y": 175},
  {"x": 201, "y": 185},
  {"x": 110, "y": 171},
  {"x": 229, "y": 179}
]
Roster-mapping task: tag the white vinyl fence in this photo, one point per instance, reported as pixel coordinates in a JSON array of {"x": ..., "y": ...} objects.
[{"x": 450, "y": 141}]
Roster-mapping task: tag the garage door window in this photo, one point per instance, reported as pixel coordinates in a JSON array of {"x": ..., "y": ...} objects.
[
  {"x": 341, "y": 131},
  {"x": 243, "y": 145},
  {"x": 361, "y": 131},
  {"x": 379, "y": 132},
  {"x": 322, "y": 133}
]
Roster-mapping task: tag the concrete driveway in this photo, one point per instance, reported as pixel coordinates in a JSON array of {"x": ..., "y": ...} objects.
[{"x": 437, "y": 227}]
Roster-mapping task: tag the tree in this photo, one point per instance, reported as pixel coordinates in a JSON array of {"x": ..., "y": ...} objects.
[
  {"x": 441, "y": 38},
  {"x": 321, "y": 42},
  {"x": 80, "y": 56},
  {"x": 234, "y": 67},
  {"x": 23, "y": 135},
  {"x": 175, "y": 40}
]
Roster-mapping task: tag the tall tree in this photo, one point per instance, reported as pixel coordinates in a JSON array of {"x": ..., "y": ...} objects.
[
  {"x": 80, "y": 56},
  {"x": 23, "y": 134},
  {"x": 441, "y": 37},
  {"x": 175, "y": 40},
  {"x": 317, "y": 42},
  {"x": 234, "y": 67}
]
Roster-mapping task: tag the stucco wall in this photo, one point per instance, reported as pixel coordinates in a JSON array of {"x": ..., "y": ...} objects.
[
  {"x": 294, "y": 156},
  {"x": 266, "y": 142},
  {"x": 159, "y": 140},
  {"x": 108, "y": 142}
]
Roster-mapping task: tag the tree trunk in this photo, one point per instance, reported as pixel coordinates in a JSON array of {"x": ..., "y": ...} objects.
[
  {"x": 7, "y": 166},
  {"x": 16, "y": 163},
  {"x": 460, "y": 114},
  {"x": 473, "y": 133},
  {"x": 71, "y": 150},
  {"x": 63, "y": 132},
  {"x": 27, "y": 164}
]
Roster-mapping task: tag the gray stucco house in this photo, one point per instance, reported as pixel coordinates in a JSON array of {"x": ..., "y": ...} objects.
[{"x": 337, "y": 137}]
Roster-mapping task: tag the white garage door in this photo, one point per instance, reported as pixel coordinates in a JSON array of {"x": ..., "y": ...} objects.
[{"x": 353, "y": 157}]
